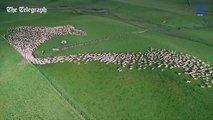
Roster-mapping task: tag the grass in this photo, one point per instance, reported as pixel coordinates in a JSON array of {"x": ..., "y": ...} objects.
[
  {"x": 189, "y": 41},
  {"x": 131, "y": 94},
  {"x": 97, "y": 90},
  {"x": 26, "y": 94}
]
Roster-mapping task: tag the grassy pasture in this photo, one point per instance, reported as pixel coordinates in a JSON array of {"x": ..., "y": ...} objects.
[
  {"x": 189, "y": 41},
  {"x": 135, "y": 94},
  {"x": 98, "y": 89},
  {"x": 132, "y": 94},
  {"x": 25, "y": 93}
]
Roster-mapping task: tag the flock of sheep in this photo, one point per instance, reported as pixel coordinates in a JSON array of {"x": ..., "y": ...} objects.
[{"x": 26, "y": 39}]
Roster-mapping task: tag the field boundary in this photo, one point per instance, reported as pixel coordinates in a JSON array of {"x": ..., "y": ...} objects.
[
  {"x": 2, "y": 37},
  {"x": 79, "y": 110}
]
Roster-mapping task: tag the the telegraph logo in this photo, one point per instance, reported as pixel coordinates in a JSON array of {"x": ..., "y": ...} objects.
[{"x": 21, "y": 9}]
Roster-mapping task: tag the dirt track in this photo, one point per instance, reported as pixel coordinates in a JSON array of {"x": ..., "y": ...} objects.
[{"x": 97, "y": 41}]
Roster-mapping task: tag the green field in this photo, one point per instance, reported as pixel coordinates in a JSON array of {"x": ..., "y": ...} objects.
[
  {"x": 26, "y": 93},
  {"x": 96, "y": 90}
]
